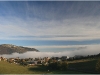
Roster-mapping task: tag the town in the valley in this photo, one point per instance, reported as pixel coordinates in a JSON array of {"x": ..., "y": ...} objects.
[{"x": 33, "y": 61}]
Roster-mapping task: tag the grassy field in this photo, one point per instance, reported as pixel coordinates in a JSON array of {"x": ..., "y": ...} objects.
[
  {"x": 84, "y": 65},
  {"x": 7, "y": 68}
]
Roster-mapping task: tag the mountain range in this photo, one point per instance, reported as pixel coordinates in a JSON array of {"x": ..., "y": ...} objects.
[{"x": 9, "y": 49}]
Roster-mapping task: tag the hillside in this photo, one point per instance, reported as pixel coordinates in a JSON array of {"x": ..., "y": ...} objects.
[
  {"x": 7, "y": 68},
  {"x": 9, "y": 49}
]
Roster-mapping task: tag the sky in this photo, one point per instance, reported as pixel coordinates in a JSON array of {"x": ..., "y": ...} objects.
[{"x": 70, "y": 27}]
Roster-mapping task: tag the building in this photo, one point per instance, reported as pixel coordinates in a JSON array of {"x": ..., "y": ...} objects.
[{"x": 63, "y": 58}]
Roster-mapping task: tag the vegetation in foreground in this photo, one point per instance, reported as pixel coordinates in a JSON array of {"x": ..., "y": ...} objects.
[
  {"x": 98, "y": 66},
  {"x": 89, "y": 65},
  {"x": 7, "y": 68},
  {"x": 53, "y": 68}
]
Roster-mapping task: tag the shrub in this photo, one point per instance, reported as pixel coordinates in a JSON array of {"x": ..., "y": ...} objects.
[
  {"x": 58, "y": 66},
  {"x": 52, "y": 66},
  {"x": 64, "y": 65},
  {"x": 98, "y": 66}
]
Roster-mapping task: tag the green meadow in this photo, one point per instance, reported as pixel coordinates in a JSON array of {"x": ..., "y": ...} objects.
[
  {"x": 74, "y": 67},
  {"x": 86, "y": 66},
  {"x": 7, "y": 68}
]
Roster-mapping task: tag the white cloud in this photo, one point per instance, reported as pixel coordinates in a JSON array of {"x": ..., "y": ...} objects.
[
  {"x": 55, "y": 46},
  {"x": 88, "y": 50},
  {"x": 88, "y": 26}
]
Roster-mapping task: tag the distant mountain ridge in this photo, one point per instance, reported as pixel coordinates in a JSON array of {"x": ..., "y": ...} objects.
[{"x": 9, "y": 49}]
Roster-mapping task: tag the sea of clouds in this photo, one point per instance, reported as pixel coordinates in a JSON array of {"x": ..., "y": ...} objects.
[{"x": 85, "y": 50}]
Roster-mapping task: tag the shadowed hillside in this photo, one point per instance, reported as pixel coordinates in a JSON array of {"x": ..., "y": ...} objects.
[{"x": 9, "y": 49}]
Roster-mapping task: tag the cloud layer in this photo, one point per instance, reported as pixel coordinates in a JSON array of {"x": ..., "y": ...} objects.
[
  {"x": 80, "y": 50},
  {"x": 50, "y": 19},
  {"x": 71, "y": 29}
]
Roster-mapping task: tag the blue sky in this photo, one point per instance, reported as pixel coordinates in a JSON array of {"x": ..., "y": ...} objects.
[{"x": 51, "y": 26}]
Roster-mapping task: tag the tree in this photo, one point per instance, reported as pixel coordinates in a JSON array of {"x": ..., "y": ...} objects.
[
  {"x": 64, "y": 65},
  {"x": 98, "y": 66},
  {"x": 61, "y": 65}
]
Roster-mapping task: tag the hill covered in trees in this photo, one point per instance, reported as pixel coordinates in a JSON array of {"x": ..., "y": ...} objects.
[{"x": 9, "y": 49}]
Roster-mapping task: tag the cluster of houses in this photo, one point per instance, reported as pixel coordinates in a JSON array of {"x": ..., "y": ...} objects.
[
  {"x": 34, "y": 61},
  {"x": 3, "y": 58}
]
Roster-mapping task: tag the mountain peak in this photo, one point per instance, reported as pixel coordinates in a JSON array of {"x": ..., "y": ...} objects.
[
  {"x": 10, "y": 48},
  {"x": 8, "y": 45}
]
